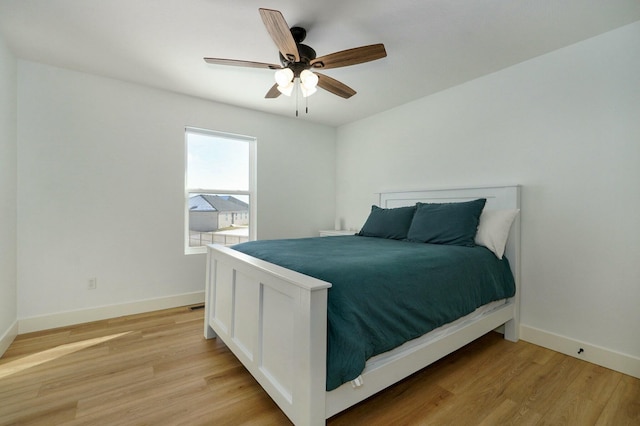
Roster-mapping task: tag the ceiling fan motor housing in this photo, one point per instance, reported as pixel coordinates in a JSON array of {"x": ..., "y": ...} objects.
[{"x": 306, "y": 53}]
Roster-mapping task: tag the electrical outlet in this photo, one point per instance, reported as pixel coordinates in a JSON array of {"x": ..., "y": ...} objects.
[{"x": 93, "y": 283}]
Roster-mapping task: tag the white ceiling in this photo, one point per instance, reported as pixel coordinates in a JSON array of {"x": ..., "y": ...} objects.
[{"x": 431, "y": 44}]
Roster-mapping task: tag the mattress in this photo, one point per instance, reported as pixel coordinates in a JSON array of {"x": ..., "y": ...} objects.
[{"x": 436, "y": 334}]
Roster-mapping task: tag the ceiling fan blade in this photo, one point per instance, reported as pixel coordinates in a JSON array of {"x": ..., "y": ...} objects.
[
  {"x": 273, "y": 92},
  {"x": 238, "y": 63},
  {"x": 280, "y": 33},
  {"x": 334, "y": 86},
  {"x": 357, "y": 55}
]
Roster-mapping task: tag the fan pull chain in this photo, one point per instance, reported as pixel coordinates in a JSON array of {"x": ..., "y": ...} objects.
[{"x": 297, "y": 89}]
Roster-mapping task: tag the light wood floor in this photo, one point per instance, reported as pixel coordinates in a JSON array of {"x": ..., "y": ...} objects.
[{"x": 156, "y": 369}]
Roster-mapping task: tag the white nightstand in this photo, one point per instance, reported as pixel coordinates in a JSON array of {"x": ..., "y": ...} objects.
[{"x": 334, "y": 233}]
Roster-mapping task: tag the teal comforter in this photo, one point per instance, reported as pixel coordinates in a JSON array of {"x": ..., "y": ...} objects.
[{"x": 385, "y": 292}]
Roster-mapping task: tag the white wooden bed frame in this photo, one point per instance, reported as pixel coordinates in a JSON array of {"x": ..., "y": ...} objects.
[{"x": 274, "y": 319}]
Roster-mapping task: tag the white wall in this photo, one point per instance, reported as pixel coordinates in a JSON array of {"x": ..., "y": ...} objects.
[
  {"x": 101, "y": 181},
  {"x": 566, "y": 126},
  {"x": 8, "y": 196}
]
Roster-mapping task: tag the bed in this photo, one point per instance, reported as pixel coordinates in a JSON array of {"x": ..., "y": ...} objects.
[{"x": 274, "y": 319}]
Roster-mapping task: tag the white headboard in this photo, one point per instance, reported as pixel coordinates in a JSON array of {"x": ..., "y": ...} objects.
[{"x": 498, "y": 197}]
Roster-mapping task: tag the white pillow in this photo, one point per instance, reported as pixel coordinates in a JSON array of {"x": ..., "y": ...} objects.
[{"x": 493, "y": 229}]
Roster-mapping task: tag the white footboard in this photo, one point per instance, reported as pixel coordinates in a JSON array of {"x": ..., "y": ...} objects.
[{"x": 274, "y": 321}]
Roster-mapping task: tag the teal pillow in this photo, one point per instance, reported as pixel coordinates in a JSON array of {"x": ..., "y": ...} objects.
[
  {"x": 446, "y": 223},
  {"x": 388, "y": 223}
]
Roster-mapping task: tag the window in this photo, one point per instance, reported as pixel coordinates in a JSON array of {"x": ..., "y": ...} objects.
[{"x": 219, "y": 189}]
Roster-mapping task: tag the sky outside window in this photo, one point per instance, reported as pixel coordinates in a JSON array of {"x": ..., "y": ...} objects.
[{"x": 217, "y": 163}]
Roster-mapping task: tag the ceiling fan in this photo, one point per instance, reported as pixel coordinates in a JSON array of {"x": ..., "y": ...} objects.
[{"x": 297, "y": 60}]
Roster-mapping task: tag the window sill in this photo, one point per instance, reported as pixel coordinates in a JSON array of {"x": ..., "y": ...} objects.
[{"x": 195, "y": 250}]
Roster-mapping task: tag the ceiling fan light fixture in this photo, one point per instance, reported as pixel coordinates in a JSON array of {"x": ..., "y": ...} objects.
[
  {"x": 284, "y": 77},
  {"x": 308, "y": 79},
  {"x": 307, "y": 91},
  {"x": 287, "y": 89}
]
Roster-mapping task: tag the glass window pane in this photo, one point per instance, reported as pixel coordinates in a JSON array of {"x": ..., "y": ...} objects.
[
  {"x": 217, "y": 163},
  {"x": 218, "y": 218},
  {"x": 219, "y": 187}
]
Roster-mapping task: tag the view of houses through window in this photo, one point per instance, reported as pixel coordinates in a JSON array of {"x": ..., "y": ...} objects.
[{"x": 219, "y": 189}]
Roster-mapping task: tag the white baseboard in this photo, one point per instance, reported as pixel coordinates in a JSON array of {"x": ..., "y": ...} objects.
[
  {"x": 7, "y": 338},
  {"x": 62, "y": 319},
  {"x": 604, "y": 357}
]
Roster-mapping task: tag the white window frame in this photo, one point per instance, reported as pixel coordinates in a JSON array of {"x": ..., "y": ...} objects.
[{"x": 251, "y": 192}]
